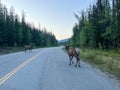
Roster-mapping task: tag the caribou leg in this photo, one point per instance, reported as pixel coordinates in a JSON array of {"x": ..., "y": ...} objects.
[
  {"x": 76, "y": 63},
  {"x": 25, "y": 49},
  {"x": 72, "y": 62},
  {"x": 79, "y": 63},
  {"x": 78, "y": 59},
  {"x": 70, "y": 59}
]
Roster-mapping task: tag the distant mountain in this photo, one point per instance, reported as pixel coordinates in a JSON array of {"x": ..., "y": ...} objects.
[{"x": 63, "y": 40}]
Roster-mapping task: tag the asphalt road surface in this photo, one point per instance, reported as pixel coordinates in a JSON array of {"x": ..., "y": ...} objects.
[{"x": 48, "y": 69}]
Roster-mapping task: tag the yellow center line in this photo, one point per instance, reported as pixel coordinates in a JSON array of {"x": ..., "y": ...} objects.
[{"x": 10, "y": 74}]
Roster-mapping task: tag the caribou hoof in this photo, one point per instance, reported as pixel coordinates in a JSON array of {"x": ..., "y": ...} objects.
[
  {"x": 79, "y": 66},
  {"x": 70, "y": 64}
]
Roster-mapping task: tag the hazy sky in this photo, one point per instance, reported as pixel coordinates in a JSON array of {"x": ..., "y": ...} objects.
[{"x": 56, "y": 15}]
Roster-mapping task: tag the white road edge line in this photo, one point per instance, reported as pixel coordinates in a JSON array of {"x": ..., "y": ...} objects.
[{"x": 10, "y": 74}]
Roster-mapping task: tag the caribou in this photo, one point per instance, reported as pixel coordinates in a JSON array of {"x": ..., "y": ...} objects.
[
  {"x": 73, "y": 52},
  {"x": 28, "y": 47}
]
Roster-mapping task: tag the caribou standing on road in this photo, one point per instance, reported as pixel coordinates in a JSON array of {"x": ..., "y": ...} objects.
[
  {"x": 28, "y": 47},
  {"x": 73, "y": 52}
]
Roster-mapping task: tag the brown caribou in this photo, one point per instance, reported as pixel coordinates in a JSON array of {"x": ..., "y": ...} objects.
[
  {"x": 73, "y": 52},
  {"x": 28, "y": 47}
]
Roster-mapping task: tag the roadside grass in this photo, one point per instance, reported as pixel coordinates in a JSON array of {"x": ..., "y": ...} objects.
[
  {"x": 105, "y": 60},
  {"x": 6, "y": 50}
]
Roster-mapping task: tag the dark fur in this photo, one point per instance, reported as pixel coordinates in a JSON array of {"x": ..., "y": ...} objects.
[{"x": 73, "y": 52}]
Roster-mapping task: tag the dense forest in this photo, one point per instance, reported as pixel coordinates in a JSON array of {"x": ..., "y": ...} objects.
[
  {"x": 16, "y": 32},
  {"x": 98, "y": 26}
]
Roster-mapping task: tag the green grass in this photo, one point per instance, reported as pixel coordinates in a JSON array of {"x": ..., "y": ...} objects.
[{"x": 106, "y": 60}]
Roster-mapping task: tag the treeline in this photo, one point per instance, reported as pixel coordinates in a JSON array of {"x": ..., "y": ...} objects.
[
  {"x": 98, "y": 26},
  {"x": 16, "y": 32}
]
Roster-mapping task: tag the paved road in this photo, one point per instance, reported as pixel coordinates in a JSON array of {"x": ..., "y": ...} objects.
[{"x": 48, "y": 69}]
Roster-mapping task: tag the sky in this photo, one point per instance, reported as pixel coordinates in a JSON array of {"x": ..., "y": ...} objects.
[{"x": 54, "y": 15}]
